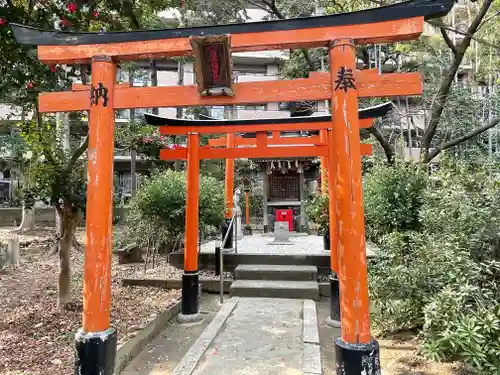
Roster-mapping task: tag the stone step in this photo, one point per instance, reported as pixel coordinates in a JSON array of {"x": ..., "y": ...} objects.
[
  {"x": 276, "y": 272},
  {"x": 275, "y": 289}
]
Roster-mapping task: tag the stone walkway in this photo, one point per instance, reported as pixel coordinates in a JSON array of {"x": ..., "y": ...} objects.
[
  {"x": 244, "y": 336},
  {"x": 260, "y": 244},
  {"x": 257, "y": 336}
]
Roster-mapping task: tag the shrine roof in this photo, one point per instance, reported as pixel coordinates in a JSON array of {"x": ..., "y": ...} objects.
[
  {"x": 365, "y": 113},
  {"x": 414, "y": 8}
]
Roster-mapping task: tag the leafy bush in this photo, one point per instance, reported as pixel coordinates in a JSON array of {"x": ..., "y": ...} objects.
[
  {"x": 317, "y": 211},
  {"x": 158, "y": 211},
  {"x": 442, "y": 277},
  {"x": 464, "y": 204},
  {"x": 392, "y": 198}
]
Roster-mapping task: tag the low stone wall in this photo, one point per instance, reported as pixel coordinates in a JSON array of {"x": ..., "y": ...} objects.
[
  {"x": 12, "y": 216},
  {"x": 44, "y": 217}
]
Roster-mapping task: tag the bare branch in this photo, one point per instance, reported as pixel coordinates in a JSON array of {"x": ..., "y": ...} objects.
[
  {"x": 76, "y": 155},
  {"x": 448, "y": 41},
  {"x": 273, "y": 9},
  {"x": 388, "y": 149},
  {"x": 463, "y": 138},
  {"x": 258, "y": 5},
  {"x": 489, "y": 19},
  {"x": 444, "y": 88}
]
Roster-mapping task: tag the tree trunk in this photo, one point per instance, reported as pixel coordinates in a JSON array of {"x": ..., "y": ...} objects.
[
  {"x": 68, "y": 228},
  {"x": 133, "y": 153}
]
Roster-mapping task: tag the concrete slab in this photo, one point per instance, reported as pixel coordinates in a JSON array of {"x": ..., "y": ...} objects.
[
  {"x": 276, "y": 272},
  {"x": 275, "y": 289},
  {"x": 261, "y": 337},
  {"x": 190, "y": 360},
  {"x": 311, "y": 334},
  {"x": 163, "y": 354},
  {"x": 298, "y": 245}
]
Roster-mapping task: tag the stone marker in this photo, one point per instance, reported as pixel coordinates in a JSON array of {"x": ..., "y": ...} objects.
[
  {"x": 10, "y": 254},
  {"x": 281, "y": 233}
]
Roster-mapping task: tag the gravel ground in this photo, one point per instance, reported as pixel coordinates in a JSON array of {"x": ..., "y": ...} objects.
[
  {"x": 166, "y": 271},
  {"x": 36, "y": 337}
]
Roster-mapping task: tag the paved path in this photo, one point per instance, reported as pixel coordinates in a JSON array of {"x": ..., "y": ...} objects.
[
  {"x": 260, "y": 244},
  {"x": 257, "y": 336}
]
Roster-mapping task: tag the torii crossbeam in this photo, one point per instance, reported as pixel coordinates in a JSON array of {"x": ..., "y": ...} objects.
[{"x": 356, "y": 350}]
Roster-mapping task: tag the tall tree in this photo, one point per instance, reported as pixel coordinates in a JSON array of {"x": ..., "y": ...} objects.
[{"x": 58, "y": 173}]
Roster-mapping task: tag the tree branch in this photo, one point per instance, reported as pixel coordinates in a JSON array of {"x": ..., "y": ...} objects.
[
  {"x": 76, "y": 155},
  {"x": 388, "y": 149},
  {"x": 442, "y": 94},
  {"x": 273, "y": 9},
  {"x": 463, "y": 138},
  {"x": 489, "y": 19},
  {"x": 448, "y": 41}
]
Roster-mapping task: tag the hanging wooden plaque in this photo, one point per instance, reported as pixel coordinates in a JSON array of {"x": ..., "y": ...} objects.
[{"x": 213, "y": 64}]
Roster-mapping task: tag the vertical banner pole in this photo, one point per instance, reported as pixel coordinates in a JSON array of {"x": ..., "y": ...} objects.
[
  {"x": 96, "y": 341},
  {"x": 229, "y": 191},
  {"x": 190, "y": 284},
  {"x": 334, "y": 318},
  {"x": 356, "y": 352}
]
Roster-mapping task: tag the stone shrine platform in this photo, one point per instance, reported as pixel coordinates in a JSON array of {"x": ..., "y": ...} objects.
[{"x": 302, "y": 244}]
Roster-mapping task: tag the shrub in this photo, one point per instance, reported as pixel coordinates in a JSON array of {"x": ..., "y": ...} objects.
[
  {"x": 158, "y": 211},
  {"x": 392, "y": 198},
  {"x": 464, "y": 204},
  {"x": 317, "y": 211},
  {"x": 443, "y": 277}
]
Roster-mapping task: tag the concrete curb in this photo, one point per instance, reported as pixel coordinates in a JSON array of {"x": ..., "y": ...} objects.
[
  {"x": 190, "y": 360},
  {"x": 207, "y": 286},
  {"x": 128, "y": 351},
  {"x": 311, "y": 359}
]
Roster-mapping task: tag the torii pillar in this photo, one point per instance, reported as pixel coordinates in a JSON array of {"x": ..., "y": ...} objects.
[
  {"x": 356, "y": 352},
  {"x": 96, "y": 340},
  {"x": 228, "y": 193}
]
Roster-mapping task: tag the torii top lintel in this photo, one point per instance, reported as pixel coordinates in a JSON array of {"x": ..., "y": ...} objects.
[{"x": 401, "y": 21}]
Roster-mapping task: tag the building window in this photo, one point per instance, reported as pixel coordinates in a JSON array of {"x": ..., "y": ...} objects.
[{"x": 252, "y": 107}]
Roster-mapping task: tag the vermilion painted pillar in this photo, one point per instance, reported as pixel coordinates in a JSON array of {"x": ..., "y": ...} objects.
[
  {"x": 247, "y": 209},
  {"x": 334, "y": 318},
  {"x": 190, "y": 283},
  {"x": 323, "y": 163},
  {"x": 96, "y": 341},
  {"x": 356, "y": 352},
  {"x": 229, "y": 191}
]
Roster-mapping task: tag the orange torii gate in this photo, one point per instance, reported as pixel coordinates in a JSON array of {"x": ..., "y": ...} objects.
[{"x": 356, "y": 350}]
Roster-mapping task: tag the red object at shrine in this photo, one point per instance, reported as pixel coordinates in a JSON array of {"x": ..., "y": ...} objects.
[{"x": 285, "y": 215}]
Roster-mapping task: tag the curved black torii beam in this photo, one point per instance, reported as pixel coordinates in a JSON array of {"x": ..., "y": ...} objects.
[
  {"x": 414, "y": 8},
  {"x": 379, "y": 110}
]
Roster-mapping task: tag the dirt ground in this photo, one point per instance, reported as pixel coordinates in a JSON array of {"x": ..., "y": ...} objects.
[
  {"x": 399, "y": 355},
  {"x": 36, "y": 337}
]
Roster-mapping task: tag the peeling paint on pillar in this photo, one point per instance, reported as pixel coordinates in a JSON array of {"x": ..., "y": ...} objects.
[
  {"x": 97, "y": 261},
  {"x": 351, "y": 251}
]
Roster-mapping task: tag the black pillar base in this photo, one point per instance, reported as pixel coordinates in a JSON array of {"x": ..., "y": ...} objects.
[
  {"x": 266, "y": 228},
  {"x": 224, "y": 229},
  {"x": 334, "y": 319},
  {"x": 95, "y": 352},
  {"x": 217, "y": 261},
  {"x": 190, "y": 293},
  {"x": 357, "y": 359},
  {"x": 326, "y": 240}
]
